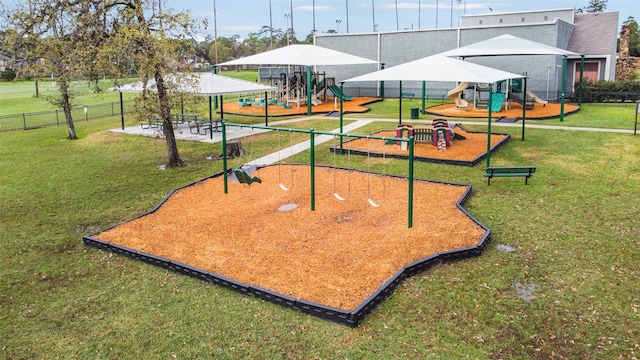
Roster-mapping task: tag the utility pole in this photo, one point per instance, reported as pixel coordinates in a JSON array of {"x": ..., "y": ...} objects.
[
  {"x": 419, "y": 9},
  {"x": 313, "y": 8},
  {"x": 373, "y": 10},
  {"x": 215, "y": 32},
  {"x": 270, "y": 27},
  {"x": 397, "y": 23},
  {"x": 347, "y": 7},
  {"x": 287, "y": 16},
  {"x": 293, "y": 36}
]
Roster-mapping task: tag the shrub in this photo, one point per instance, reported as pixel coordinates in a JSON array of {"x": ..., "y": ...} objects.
[
  {"x": 608, "y": 91},
  {"x": 8, "y": 74}
]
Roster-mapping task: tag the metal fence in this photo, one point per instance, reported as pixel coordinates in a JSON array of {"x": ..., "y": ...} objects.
[{"x": 34, "y": 120}]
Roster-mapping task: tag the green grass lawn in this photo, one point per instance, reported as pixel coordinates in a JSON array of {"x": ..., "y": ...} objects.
[
  {"x": 20, "y": 97},
  {"x": 568, "y": 290}
]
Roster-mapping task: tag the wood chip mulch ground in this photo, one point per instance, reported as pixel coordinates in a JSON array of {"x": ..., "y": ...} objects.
[
  {"x": 469, "y": 149},
  {"x": 337, "y": 255}
]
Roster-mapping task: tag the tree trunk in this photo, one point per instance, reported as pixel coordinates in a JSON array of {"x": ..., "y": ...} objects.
[
  {"x": 66, "y": 107},
  {"x": 165, "y": 113},
  {"x": 234, "y": 149}
]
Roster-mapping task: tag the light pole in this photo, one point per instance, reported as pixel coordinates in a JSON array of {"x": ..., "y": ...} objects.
[
  {"x": 373, "y": 11},
  {"x": 215, "y": 32},
  {"x": 338, "y": 25},
  {"x": 313, "y": 6},
  {"x": 437, "y": 14},
  {"x": 293, "y": 37},
  {"x": 397, "y": 23},
  {"x": 347, "y": 7},
  {"x": 451, "y": 24},
  {"x": 270, "y": 27},
  {"x": 419, "y": 8},
  {"x": 287, "y": 16}
]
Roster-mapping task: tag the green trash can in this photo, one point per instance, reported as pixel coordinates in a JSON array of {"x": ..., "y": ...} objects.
[{"x": 414, "y": 112}]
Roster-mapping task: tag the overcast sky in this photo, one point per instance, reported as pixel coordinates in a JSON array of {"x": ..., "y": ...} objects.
[{"x": 241, "y": 17}]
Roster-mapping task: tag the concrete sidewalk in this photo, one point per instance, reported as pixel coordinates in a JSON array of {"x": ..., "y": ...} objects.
[
  {"x": 305, "y": 145},
  {"x": 183, "y": 133}
]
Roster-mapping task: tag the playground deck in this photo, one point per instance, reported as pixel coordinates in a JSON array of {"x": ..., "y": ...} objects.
[
  {"x": 330, "y": 105},
  {"x": 548, "y": 111}
]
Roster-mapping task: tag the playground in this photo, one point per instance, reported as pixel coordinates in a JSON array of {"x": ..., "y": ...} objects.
[
  {"x": 370, "y": 230},
  {"x": 509, "y": 99},
  {"x": 467, "y": 149},
  {"x": 330, "y": 105}
]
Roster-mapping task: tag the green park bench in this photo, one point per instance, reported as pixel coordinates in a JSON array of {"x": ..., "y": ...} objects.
[
  {"x": 408, "y": 95},
  {"x": 510, "y": 171}
]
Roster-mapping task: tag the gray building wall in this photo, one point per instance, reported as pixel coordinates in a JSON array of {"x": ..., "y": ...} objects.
[
  {"x": 397, "y": 47},
  {"x": 528, "y": 17},
  {"x": 394, "y": 48}
]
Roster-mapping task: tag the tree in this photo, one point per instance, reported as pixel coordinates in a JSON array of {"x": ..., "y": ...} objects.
[
  {"x": 634, "y": 41},
  {"x": 151, "y": 42},
  {"x": 228, "y": 49},
  {"x": 77, "y": 38},
  {"x": 56, "y": 38},
  {"x": 594, "y": 6}
]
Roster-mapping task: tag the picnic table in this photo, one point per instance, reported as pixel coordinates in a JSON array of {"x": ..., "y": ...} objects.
[
  {"x": 201, "y": 127},
  {"x": 184, "y": 118},
  {"x": 152, "y": 122}
]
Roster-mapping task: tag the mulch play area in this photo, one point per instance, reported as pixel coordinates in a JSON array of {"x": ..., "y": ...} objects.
[
  {"x": 330, "y": 104},
  {"x": 539, "y": 111},
  {"x": 467, "y": 152},
  {"x": 337, "y": 262}
]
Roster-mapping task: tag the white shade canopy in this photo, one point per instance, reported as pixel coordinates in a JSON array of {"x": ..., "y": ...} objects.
[
  {"x": 438, "y": 68},
  {"x": 300, "y": 54},
  {"x": 505, "y": 45},
  {"x": 203, "y": 84}
]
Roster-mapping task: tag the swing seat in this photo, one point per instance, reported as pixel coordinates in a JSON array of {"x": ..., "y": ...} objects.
[
  {"x": 373, "y": 203},
  {"x": 245, "y": 178}
]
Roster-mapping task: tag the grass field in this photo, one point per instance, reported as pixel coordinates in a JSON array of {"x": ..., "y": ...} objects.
[
  {"x": 558, "y": 279},
  {"x": 19, "y": 97}
]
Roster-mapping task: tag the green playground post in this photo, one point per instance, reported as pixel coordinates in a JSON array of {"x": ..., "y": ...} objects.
[
  {"x": 341, "y": 118},
  {"x": 489, "y": 127},
  {"x": 424, "y": 95},
  {"x": 308, "y": 91},
  {"x": 410, "y": 210},
  {"x": 400, "y": 107},
  {"x": 564, "y": 86},
  {"x": 524, "y": 107},
  {"x": 382, "y": 83},
  {"x": 581, "y": 78},
  {"x": 224, "y": 156},
  {"x": 312, "y": 156}
]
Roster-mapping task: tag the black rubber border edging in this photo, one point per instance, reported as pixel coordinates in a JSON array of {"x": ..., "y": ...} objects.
[
  {"x": 433, "y": 160},
  {"x": 348, "y": 318}
]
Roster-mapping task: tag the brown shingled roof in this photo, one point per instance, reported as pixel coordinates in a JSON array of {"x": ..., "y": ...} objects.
[{"x": 593, "y": 33}]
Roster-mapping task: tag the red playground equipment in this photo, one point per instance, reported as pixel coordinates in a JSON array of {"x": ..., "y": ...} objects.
[{"x": 438, "y": 134}]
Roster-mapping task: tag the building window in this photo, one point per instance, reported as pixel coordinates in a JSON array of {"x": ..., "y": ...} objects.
[
  {"x": 522, "y": 20},
  {"x": 480, "y": 23},
  {"x": 500, "y": 21},
  {"x": 546, "y": 18}
]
